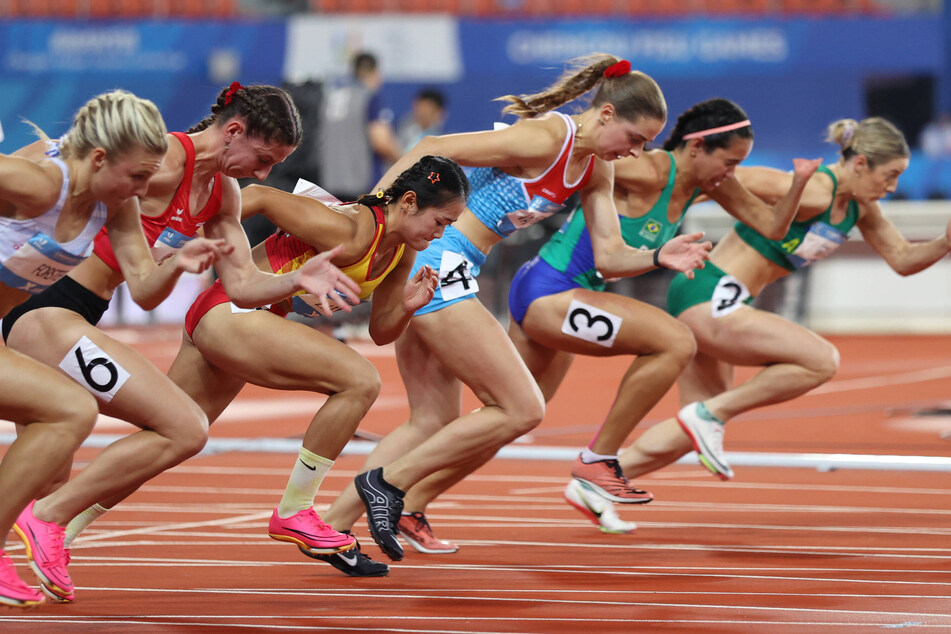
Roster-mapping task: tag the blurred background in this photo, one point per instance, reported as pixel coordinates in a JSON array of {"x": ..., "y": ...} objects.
[{"x": 793, "y": 65}]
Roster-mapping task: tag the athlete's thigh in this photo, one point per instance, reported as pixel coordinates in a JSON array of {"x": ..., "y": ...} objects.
[
  {"x": 126, "y": 384},
  {"x": 597, "y": 323},
  {"x": 433, "y": 391},
  {"x": 211, "y": 387},
  {"x": 749, "y": 336},
  {"x": 548, "y": 366},
  {"x": 32, "y": 392},
  {"x": 469, "y": 341},
  {"x": 261, "y": 348}
]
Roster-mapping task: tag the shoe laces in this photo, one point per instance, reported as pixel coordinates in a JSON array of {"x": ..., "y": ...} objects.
[
  {"x": 56, "y": 537},
  {"x": 314, "y": 520},
  {"x": 616, "y": 467},
  {"x": 422, "y": 524}
]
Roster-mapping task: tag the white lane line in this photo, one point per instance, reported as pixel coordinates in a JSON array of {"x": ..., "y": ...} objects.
[
  {"x": 480, "y": 629},
  {"x": 524, "y": 600}
]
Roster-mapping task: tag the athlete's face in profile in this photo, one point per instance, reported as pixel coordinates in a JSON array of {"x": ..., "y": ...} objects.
[
  {"x": 252, "y": 157},
  {"x": 115, "y": 181},
  {"x": 425, "y": 225},
  {"x": 620, "y": 137},
  {"x": 711, "y": 169},
  {"x": 880, "y": 181}
]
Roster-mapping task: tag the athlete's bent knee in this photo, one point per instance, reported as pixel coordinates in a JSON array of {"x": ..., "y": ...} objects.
[
  {"x": 826, "y": 363},
  {"x": 526, "y": 415}
]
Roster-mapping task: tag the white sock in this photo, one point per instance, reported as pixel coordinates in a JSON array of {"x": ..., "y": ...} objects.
[
  {"x": 588, "y": 456},
  {"x": 82, "y": 521},
  {"x": 308, "y": 473}
]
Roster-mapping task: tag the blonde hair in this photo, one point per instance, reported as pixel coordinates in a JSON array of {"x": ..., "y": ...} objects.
[
  {"x": 117, "y": 122},
  {"x": 874, "y": 138},
  {"x": 633, "y": 95}
]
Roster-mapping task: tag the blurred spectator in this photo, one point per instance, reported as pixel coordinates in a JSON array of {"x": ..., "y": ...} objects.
[
  {"x": 426, "y": 118},
  {"x": 356, "y": 135},
  {"x": 936, "y": 137}
]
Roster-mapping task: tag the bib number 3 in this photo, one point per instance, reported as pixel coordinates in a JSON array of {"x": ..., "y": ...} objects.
[
  {"x": 95, "y": 370},
  {"x": 590, "y": 323},
  {"x": 455, "y": 277}
]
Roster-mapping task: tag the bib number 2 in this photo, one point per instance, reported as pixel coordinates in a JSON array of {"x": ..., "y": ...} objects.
[{"x": 728, "y": 296}]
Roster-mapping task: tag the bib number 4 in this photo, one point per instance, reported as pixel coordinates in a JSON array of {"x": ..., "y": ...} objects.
[{"x": 455, "y": 277}]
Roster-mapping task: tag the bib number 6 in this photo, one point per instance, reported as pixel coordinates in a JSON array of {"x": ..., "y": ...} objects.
[{"x": 91, "y": 367}]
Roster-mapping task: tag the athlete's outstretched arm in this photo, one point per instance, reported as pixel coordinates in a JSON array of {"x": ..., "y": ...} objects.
[
  {"x": 770, "y": 221},
  {"x": 905, "y": 258}
]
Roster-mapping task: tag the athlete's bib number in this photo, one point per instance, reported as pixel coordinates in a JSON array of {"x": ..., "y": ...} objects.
[
  {"x": 95, "y": 370},
  {"x": 821, "y": 240},
  {"x": 538, "y": 209},
  {"x": 590, "y": 323},
  {"x": 728, "y": 296},
  {"x": 37, "y": 264},
  {"x": 455, "y": 276},
  {"x": 168, "y": 242}
]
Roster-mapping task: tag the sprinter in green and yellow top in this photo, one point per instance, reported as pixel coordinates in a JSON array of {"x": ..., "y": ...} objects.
[{"x": 729, "y": 332}]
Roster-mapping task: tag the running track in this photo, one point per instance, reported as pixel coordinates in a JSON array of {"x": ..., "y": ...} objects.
[{"x": 777, "y": 549}]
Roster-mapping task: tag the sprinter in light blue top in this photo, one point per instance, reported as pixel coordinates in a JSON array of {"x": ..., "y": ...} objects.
[
  {"x": 729, "y": 332},
  {"x": 525, "y": 172}
]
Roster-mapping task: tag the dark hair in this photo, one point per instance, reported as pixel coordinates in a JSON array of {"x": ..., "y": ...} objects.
[
  {"x": 707, "y": 115},
  {"x": 633, "y": 94},
  {"x": 436, "y": 180},
  {"x": 363, "y": 63},
  {"x": 433, "y": 95},
  {"x": 269, "y": 113}
]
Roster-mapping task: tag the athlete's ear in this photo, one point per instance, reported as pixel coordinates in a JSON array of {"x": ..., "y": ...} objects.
[
  {"x": 235, "y": 127},
  {"x": 409, "y": 202},
  {"x": 98, "y": 157},
  {"x": 606, "y": 113},
  {"x": 861, "y": 163}
]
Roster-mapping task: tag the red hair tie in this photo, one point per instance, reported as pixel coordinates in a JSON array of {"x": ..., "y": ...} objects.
[
  {"x": 235, "y": 87},
  {"x": 617, "y": 70}
]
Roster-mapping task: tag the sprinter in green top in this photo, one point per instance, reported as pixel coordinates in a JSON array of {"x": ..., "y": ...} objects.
[
  {"x": 559, "y": 310},
  {"x": 729, "y": 332}
]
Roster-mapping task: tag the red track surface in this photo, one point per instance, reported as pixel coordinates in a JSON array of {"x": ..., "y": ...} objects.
[{"x": 774, "y": 550}]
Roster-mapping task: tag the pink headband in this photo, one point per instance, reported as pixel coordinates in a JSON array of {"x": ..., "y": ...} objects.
[{"x": 722, "y": 128}]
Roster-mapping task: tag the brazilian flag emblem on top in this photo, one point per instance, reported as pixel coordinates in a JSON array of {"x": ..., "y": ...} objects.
[{"x": 650, "y": 230}]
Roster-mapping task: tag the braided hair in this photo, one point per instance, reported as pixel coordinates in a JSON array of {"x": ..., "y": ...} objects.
[
  {"x": 269, "y": 113},
  {"x": 437, "y": 181},
  {"x": 706, "y": 115},
  {"x": 118, "y": 122}
]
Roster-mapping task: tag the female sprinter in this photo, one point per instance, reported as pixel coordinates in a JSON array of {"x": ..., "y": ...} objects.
[
  {"x": 558, "y": 307},
  {"x": 374, "y": 241},
  {"x": 526, "y": 172},
  {"x": 56, "y": 196},
  {"x": 250, "y": 129},
  {"x": 730, "y": 332}
]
